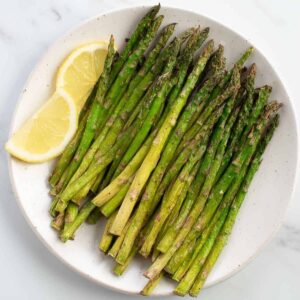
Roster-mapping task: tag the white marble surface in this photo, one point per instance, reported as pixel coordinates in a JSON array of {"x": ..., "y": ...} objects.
[{"x": 27, "y": 28}]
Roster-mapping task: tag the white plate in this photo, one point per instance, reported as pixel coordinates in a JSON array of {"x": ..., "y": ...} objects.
[{"x": 260, "y": 215}]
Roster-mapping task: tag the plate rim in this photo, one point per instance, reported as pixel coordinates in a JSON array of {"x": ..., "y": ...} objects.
[{"x": 59, "y": 39}]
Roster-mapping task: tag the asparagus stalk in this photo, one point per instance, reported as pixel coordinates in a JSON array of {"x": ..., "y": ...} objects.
[
  {"x": 201, "y": 175},
  {"x": 133, "y": 129},
  {"x": 117, "y": 244},
  {"x": 230, "y": 89},
  {"x": 101, "y": 162},
  {"x": 216, "y": 156},
  {"x": 243, "y": 155},
  {"x": 169, "y": 201},
  {"x": 229, "y": 223},
  {"x": 145, "y": 208},
  {"x": 185, "y": 284},
  {"x": 128, "y": 69},
  {"x": 70, "y": 150},
  {"x": 162, "y": 89},
  {"x": 190, "y": 35},
  {"x": 244, "y": 117},
  {"x": 152, "y": 57},
  {"x": 110, "y": 131},
  {"x": 112, "y": 128},
  {"x": 110, "y": 206},
  {"x": 153, "y": 155},
  {"x": 125, "y": 176},
  {"x": 184, "y": 256},
  {"x": 185, "y": 59},
  {"x": 217, "y": 192},
  {"x": 215, "y": 96},
  {"x": 147, "y": 65},
  {"x": 68, "y": 233},
  {"x": 192, "y": 251},
  {"x": 58, "y": 222},
  {"x": 107, "y": 238},
  {"x": 93, "y": 118},
  {"x": 175, "y": 211},
  {"x": 70, "y": 214},
  {"x": 135, "y": 36},
  {"x": 120, "y": 269},
  {"x": 194, "y": 41},
  {"x": 201, "y": 223},
  {"x": 94, "y": 217},
  {"x": 151, "y": 285},
  {"x": 97, "y": 183},
  {"x": 164, "y": 86}
]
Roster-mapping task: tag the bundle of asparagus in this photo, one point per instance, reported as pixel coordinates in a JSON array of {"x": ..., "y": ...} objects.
[{"x": 167, "y": 145}]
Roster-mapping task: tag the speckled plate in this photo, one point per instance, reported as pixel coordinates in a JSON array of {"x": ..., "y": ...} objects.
[{"x": 260, "y": 215}]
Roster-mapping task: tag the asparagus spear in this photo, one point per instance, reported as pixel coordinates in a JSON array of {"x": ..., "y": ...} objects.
[
  {"x": 128, "y": 69},
  {"x": 169, "y": 201},
  {"x": 94, "y": 217},
  {"x": 184, "y": 257},
  {"x": 112, "y": 128},
  {"x": 201, "y": 176},
  {"x": 58, "y": 222},
  {"x": 115, "y": 168},
  {"x": 187, "y": 281},
  {"x": 227, "y": 227},
  {"x": 153, "y": 155},
  {"x": 194, "y": 41},
  {"x": 117, "y": 244},
  {"x": 185, "y": 59},
  {"x": 152, "y": 57},
  {"x": 244, "y": 117},
  {"x": 80, "y": 184},
  {"x": 244, "y": 154},
  {"x": 159, "y": 93},
  {"x": 140, "y": 76},
  {"x": 211, "y": 173},
  {"x": 215, "y": 97},
  {"x": 145, "y": 208},
  {"x": 102, "y": 162},
  {"x": 201, "y": 223},
  {"x": 175, "y": 211},
  {"x": 84, "y": 212},
  {"x": 71, "y": 214},
  {"x": 110, "y": 206},
  {"x": 70, "y": 150},
  {"x": 135, "y": 36},
  {"x": 93, "y": 117},
  {"x": 214, "y": 102},
  {"x": 161, "y": 90},
  {"x": 151, "y": 285},
  {"x": 190, "y": 35},
  {"x": 120, "y": 269},
  {"x": 125, "y": 176},
  {"x": 217, "y": 192},
  {"x": 107, "y": 238}
]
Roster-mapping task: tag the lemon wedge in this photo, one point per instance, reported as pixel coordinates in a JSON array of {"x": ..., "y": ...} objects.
[
  {"x": 47, "y": 132},
  {"x": 81, "y": 69}
]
